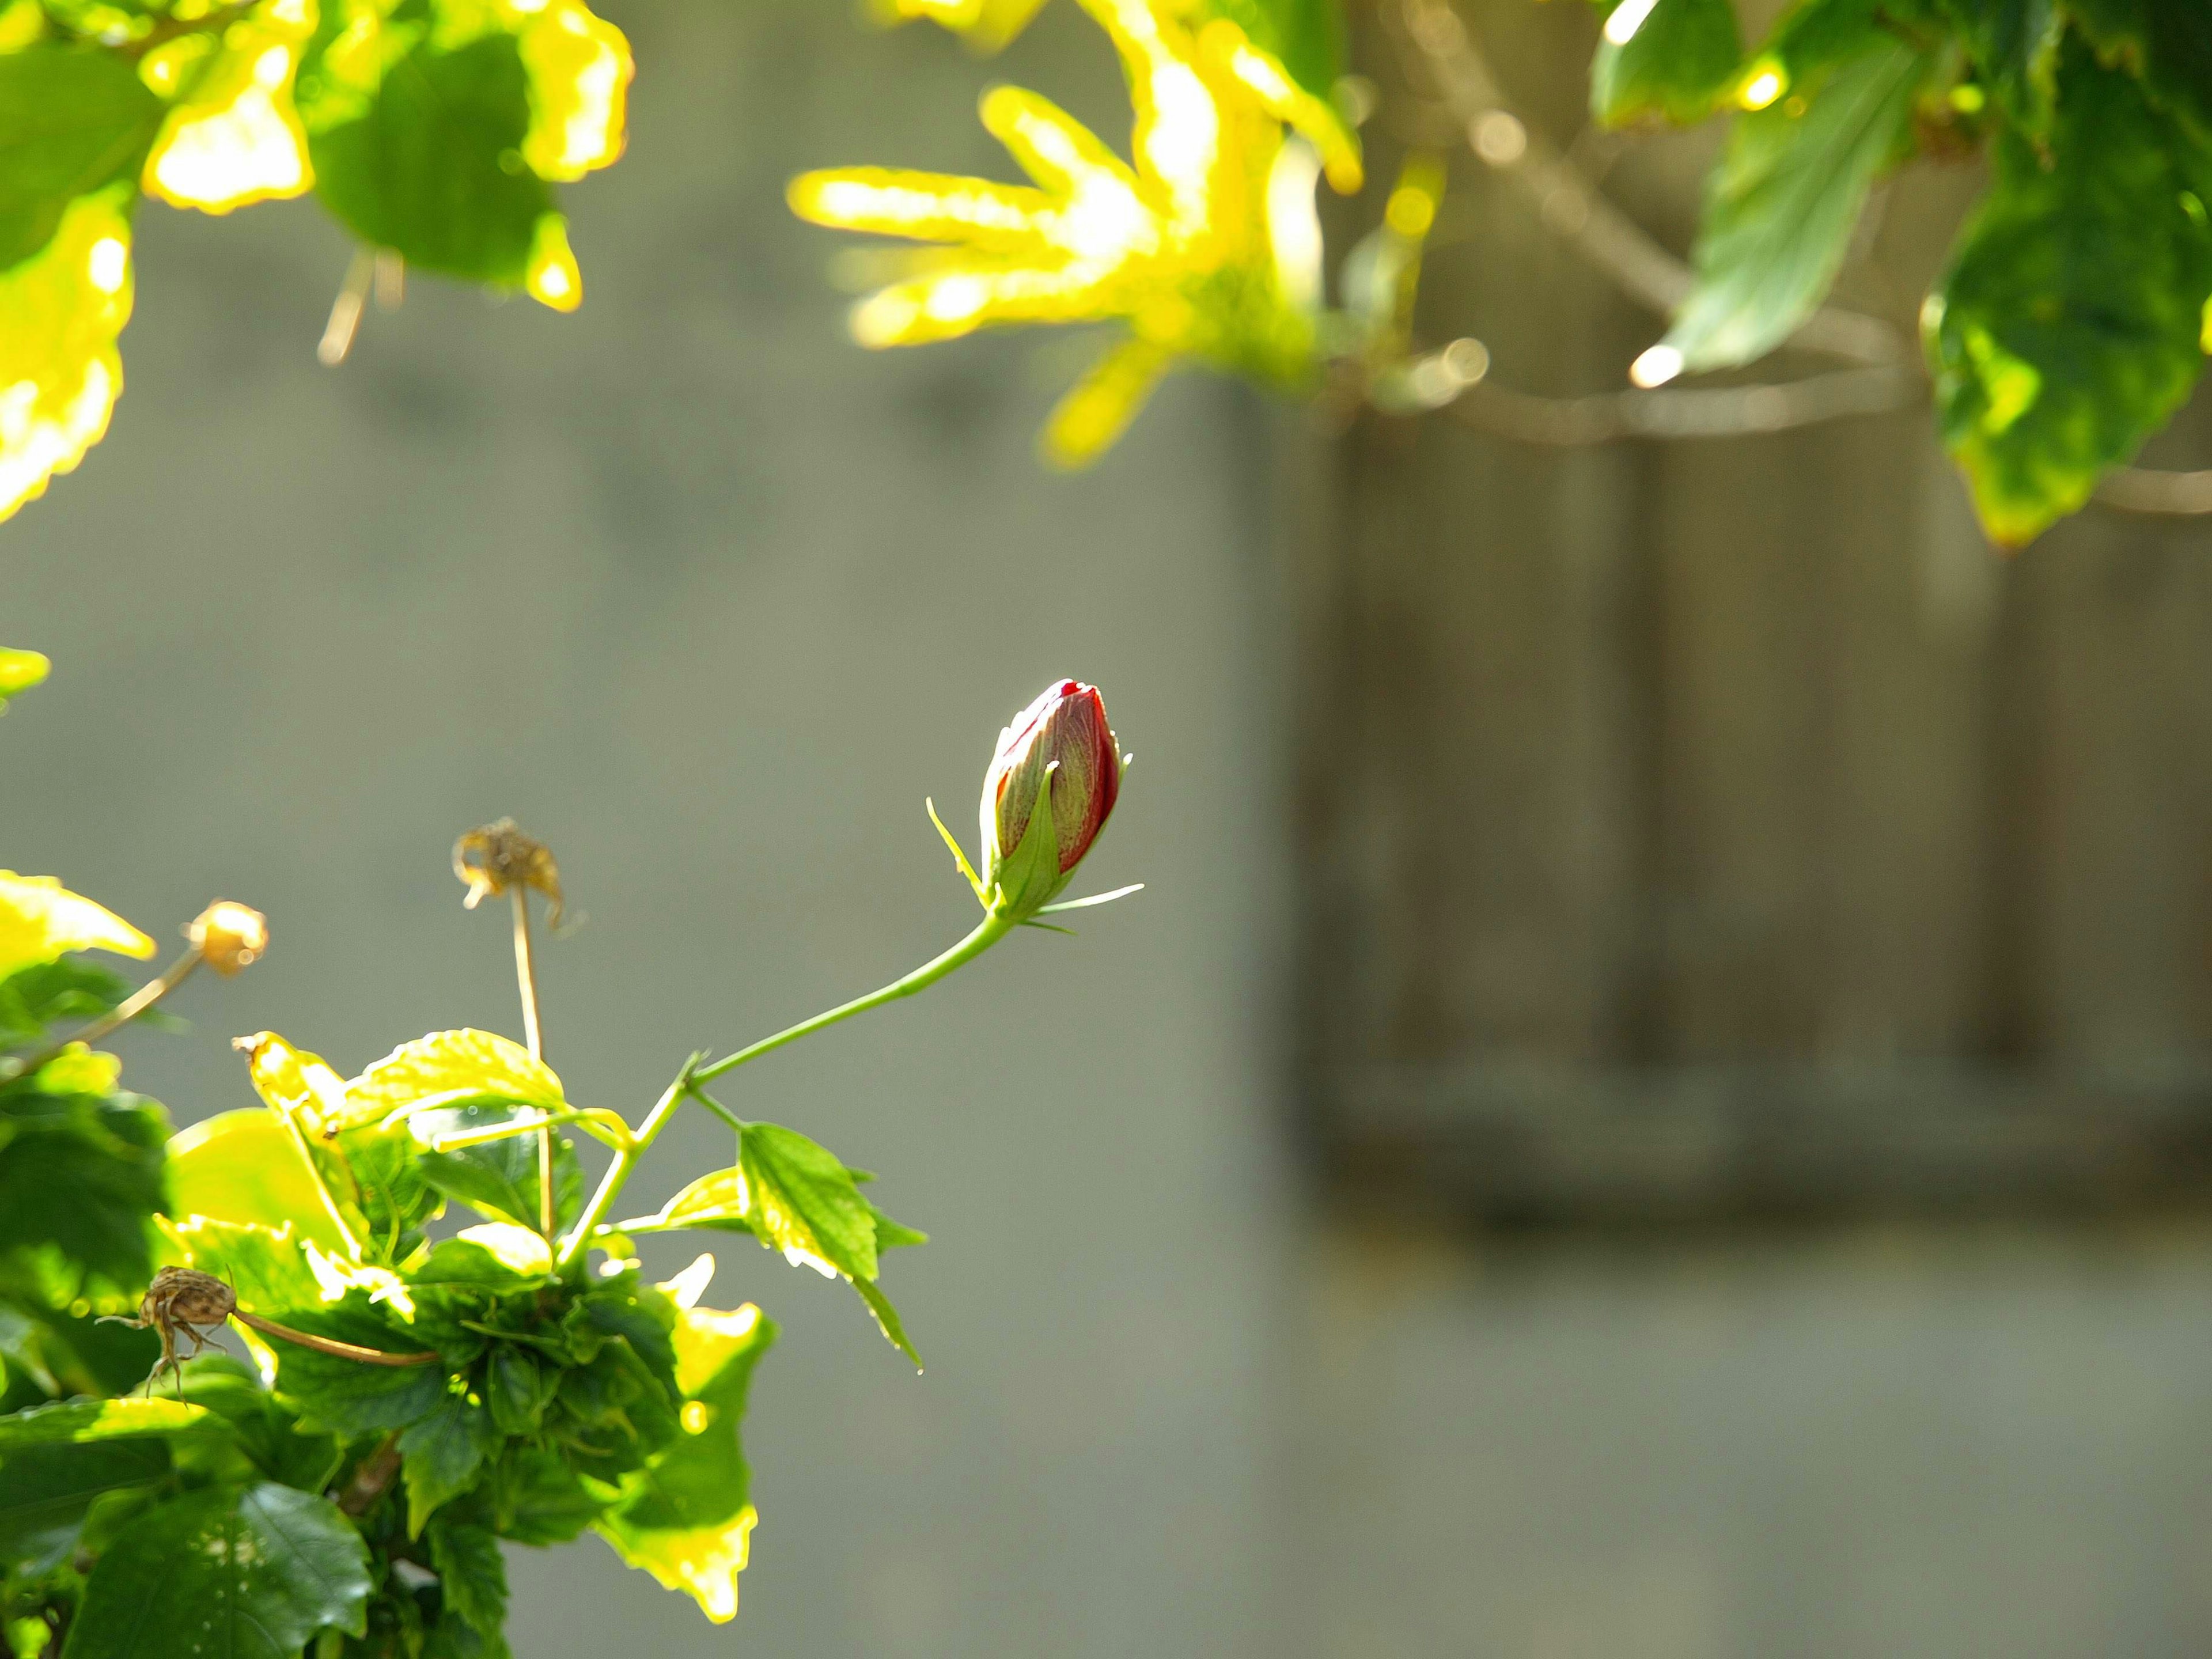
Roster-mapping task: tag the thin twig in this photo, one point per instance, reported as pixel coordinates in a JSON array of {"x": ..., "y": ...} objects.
[
  {"x": 525, "y": 978},
  {"x": 372, "y": 1477},
  {"x": 121, "y": 1014},
  {"x": 329, "y": 1344}
]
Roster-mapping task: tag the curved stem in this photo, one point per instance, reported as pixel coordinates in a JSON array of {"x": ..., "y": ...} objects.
[
  {"x": 525, "y": 977},
  {"x": 121, "y": 1014},
  {"x": 329, "y": 1344},
  {"x": 994, "y": 927}
]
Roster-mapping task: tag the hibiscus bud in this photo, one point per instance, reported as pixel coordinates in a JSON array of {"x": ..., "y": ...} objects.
[
  {"x": 1047, "y": 794},
  {"x": 229, "y": 936}
]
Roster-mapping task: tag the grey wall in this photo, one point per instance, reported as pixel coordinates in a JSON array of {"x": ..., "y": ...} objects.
[{"x": 710, "y": 600}]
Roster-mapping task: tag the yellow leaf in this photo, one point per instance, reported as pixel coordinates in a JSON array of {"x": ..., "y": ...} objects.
[
  {"x": 20, "y": 670},
  {"x": 40, "y": 919},
  {"x": 295, "y": 1084},
  {"x": 78, "y": 1071},
  {"x": 1181, "y": 248},
  {"x": 233, "y": 137},
  {"x": 579, "y": 73},
  {"x": 60, "y": 372},
  {"x": 243, "y": 1167},
  {"x": 450, "y": 1068}
]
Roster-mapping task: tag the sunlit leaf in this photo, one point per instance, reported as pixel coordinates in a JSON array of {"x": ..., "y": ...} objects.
[
  {"x": 434, "y": 127},
  {"x": 2069, "y": 326},
  {"x": 60, "y": 374},
  {"x": 1672, "y": 61},
  {"x": 500, "y": 1178},
  {"x": 242, "y": 1166},
  {"x": 686, "y": 1518},
  {"x": 451, "y": 1069},
  {"x": 56, "y": 1461},
  {"x": 1781, "y": 207},
  {"x": 19, "y": 672},
  {"x": 39, "y": 919},
  {"x": 250, "y": 1573},
  {"x": 1183, "y": 249},
  {"x": 233, "y": 137},
  {"x": 73, "y": 119},
  {"x": 265, "y": 1264}
]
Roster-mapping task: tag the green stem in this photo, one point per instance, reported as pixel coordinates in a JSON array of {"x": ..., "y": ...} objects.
[
  {"x": 993, "y": 928},
  {"x": 988, "y": 931}
]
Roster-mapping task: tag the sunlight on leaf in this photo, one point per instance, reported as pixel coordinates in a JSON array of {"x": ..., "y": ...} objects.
[
  {"x": 21, "y": 670},
  {"x": 451, "y": 1069},
  {"x": 40, "y": 919},
  {"x": 60, "y": 371},
  {"x": 1180, "y": 249},
  {"x": 233, "y": 137},
  {"x": 242, "y": 1166},
  {"x": 579, "y": 73}
]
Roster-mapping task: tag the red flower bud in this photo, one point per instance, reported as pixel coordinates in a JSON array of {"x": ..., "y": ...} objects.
[{"x": 1062, "y": 744}]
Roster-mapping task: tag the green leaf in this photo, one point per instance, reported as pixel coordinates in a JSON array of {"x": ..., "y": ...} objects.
[
  {"x": 451, "y": 1069},
  {"x": 1781, "y": 205},
  {"x": 2166, "y": 43},
  {"x": 19, "y": 672},
  {"x": 1305, "y": 36},
  {"x": 250, "y": 1573},
  {"x": 1673, "y": 65},
  {"x": 801, "y": 1200},
  {"x": 471, "y": 1573},
  {"x": 81, "y": 1170},
  {"x": 385, "y": 1168},
  {"x": 2067, "y": 327},
  {"x": 442, "y": 1454},
  {"x": 686, "y": 1518},
  {"x": 517, "y": 1389},
  {"x": 416, "y": 139},
  {"x": 243, "y": 1167},
  {"x": 887, "y": 1319},
  {"x": 345, "y": 1397},
  {"x": 537, "y": 1499},
  {"x": 500, "y": 1178},
  {"x": 38, "y": 999},
  {"x": 56, "y": 1461},
  {"x": 2015, "y": 47},
  {"x": 72, "y": 119},
  {"x": 268, "y": 1271},
  {"x": 259, "y": 1426}
]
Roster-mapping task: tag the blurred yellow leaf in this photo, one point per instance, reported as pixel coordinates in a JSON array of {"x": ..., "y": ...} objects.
[
  {"x": 1197, "y": 249},
  {"x": 579, "y": 72},
  {"x": 40, "y": 919},
  {"x": 233, "y": 137},
  {"x": 59, "y": 373}
]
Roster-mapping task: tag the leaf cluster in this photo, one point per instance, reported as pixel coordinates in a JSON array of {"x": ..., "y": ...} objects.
[
  {"x": 2072, "y": 319},
  {"x": 433, "y": 130}
]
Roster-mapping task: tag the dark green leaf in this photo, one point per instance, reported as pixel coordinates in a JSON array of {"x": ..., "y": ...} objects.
[
  {"x": 2168, "y": 43},
  {"x": 47, "y": 1487},
  {"x": 259, "y": 1426},
  {"x": 499, "y": 1179},
  {"x": 1781, "y": 207},
  {"x": 1673, "y": 67},
  {"x": 396, "y": 1195},
  {"x": 537, "y": 1497},
  {"x": 344, "y": 1396},
  {"x": 887, "y": 1318},
  {"x": 442, "y": 1454},
  {"x": 72, "y": 118},
  {"x": 417, "y": 143},
  {"x": 229, "y": 1572},
  {"x": 84, "y": 1173},
  {"x": 517, "y": 1389},
  {"x": 2015, "y": 47},
  {"x": 471, "y": 1574},
  {"x": 2068, "y": 328}
]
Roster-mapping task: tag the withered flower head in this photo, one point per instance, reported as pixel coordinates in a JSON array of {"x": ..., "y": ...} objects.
[
  {"x": 229, "y": 936},
  {"x": 498, "y": 858}
]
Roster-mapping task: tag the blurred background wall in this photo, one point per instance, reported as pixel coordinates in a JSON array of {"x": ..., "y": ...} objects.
[{"x": 1368, "y": 1241}]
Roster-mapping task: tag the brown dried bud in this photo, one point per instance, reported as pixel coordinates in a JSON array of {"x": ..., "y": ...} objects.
[
  {"x": 186, "y": 1298},
  {"x": 229, "y": 936},
  {"x": 498, "y": 858}
]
